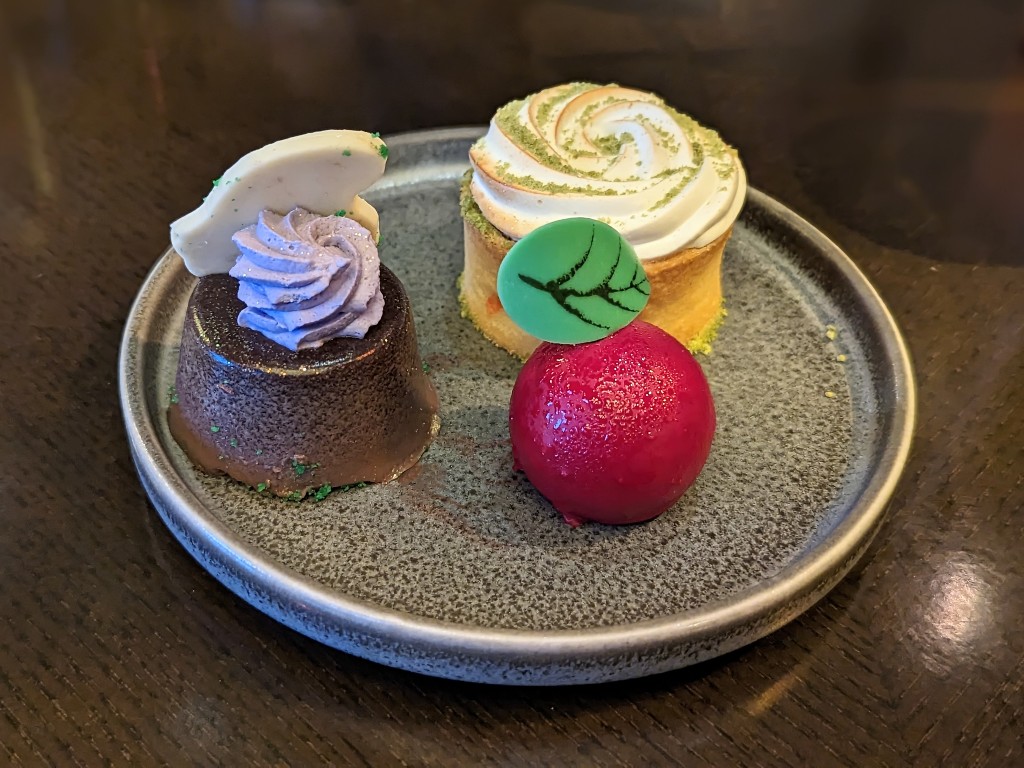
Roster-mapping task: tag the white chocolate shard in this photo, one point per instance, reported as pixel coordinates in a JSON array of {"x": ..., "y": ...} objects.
[{"x": 323, "y": 172}]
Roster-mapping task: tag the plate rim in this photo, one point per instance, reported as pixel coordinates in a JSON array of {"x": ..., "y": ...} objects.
[{"x": 829, "y": 561}]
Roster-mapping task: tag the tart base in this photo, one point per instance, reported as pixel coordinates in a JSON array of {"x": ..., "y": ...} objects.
[{"x": 686, "y": 287}]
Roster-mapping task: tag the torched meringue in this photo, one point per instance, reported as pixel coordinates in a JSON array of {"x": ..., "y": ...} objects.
[{"x": 611, "y": 153}]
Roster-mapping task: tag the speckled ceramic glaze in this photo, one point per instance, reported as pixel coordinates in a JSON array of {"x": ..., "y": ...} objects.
[{"x": 460, "y": 569}]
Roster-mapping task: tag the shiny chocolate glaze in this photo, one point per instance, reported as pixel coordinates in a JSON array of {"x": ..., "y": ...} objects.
[{"x": 353, "y": 410}]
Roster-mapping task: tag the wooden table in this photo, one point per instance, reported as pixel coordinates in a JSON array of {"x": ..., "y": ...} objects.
[{"x": 898, "y": 128}]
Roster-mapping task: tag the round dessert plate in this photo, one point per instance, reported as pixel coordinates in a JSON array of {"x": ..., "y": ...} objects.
[{"x": 460, "y": 569}]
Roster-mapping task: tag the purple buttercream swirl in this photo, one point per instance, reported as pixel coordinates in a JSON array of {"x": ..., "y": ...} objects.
[{"x": 306, "y": 278}]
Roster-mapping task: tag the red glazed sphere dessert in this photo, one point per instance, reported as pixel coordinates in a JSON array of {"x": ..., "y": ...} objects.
[{"x": 615, "y": 430}]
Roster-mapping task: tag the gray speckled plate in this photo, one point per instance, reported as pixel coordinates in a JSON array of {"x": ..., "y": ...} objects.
[{"x": 460, "y": 569}]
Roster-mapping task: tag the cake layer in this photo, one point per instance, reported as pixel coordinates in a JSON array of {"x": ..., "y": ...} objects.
[{"x": 350, "y": 411}]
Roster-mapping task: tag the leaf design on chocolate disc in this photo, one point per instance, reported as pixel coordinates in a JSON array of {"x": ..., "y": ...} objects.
[{"x": 605, "y": 287}]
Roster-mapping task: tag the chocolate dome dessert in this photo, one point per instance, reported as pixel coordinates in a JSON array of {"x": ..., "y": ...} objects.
[
  {"x": 298, "y": 369},
  {"x": 351, "y": 410}
]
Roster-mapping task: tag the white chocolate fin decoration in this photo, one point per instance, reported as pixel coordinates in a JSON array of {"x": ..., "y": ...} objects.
[{"x": 323, "y": 172}]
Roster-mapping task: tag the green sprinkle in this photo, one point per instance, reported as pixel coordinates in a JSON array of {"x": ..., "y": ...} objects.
[
  {"x": 667, "y": 139},
  {"x": 234, "y": 442},
  {"x": 340, "y": 212},
  {"x": 611, "y": 145},
  {"x": 376, "y": 134},
  {"x": 300, "y": 469},
  {"x": 426, "y": 368},
  {"x": 352, "y": 486},
  {"x": 507, "y": 118},
  {"x": 216, "y": 182},
  {"x": 347, "y": 152},
  {"x": 296, "y": 496},
  {"x": 704, "y": 340},
  {"x": 259, "y": 451},
  {"x": 322, "y": 492},
  {"x": 262, "y": 487},
  {"x": 382, "y": 150},
  {"x": 214, "y": 428},
  {"x": 172, "y": 393},
  {"x": 471, "y": 211},
  {"x": 529, "y": 182}
]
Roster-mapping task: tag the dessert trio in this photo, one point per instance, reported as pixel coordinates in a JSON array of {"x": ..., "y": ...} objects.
[{"x": 595, "y": 222}]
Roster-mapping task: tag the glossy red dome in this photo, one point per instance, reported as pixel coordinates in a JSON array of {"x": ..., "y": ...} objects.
[{"x": 615, "y": 430}]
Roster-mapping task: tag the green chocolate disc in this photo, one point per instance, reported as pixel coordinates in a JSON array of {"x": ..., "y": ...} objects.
[{"x": 572, "y": 281}]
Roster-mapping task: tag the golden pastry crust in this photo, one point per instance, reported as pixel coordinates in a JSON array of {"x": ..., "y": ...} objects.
[
  {"x": 686, "y": 287},
  {"x": 686, "y": 292}
]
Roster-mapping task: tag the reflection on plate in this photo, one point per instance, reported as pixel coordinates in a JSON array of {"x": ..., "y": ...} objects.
[{"x": 459, "y": 568}]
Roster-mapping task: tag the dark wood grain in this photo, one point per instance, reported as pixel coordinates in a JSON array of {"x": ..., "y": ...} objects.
[{"x": 896, "y": 128}]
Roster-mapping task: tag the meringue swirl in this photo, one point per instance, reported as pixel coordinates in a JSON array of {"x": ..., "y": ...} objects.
[
  {"x": 615, "y": 154},
  {"x": 306, "y": 278}
]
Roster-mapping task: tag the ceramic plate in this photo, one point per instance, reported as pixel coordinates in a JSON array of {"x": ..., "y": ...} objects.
[{"x": 460, "y": 569}]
